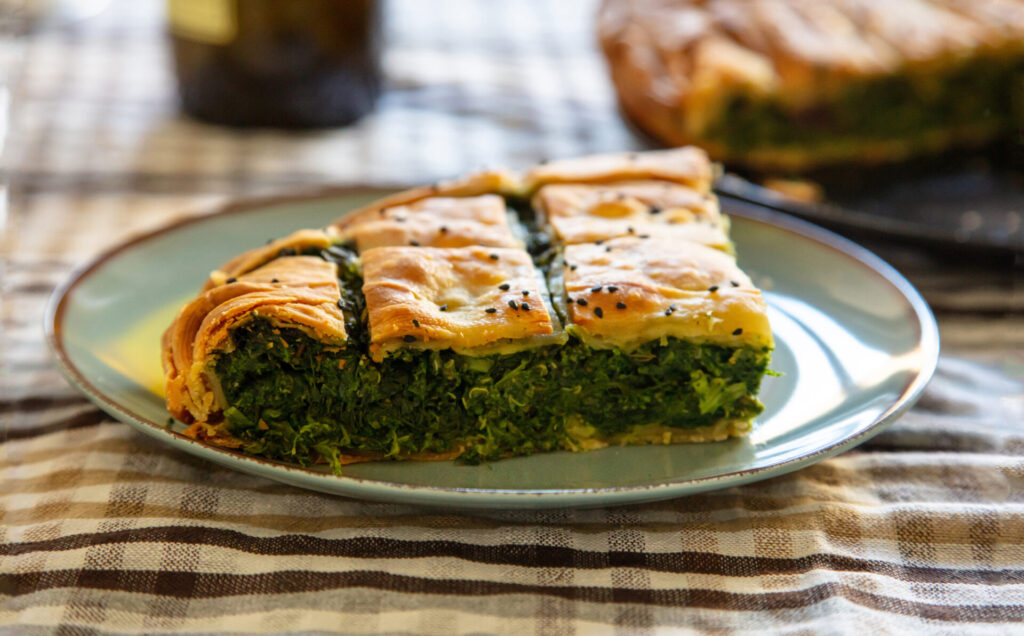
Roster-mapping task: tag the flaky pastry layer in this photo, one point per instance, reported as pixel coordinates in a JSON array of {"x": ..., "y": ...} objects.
[
  {"x": 586, "y": 213},
  {"x": 299, "y": 291},
  {"x": 628, "y": 291},
  {"x": 434, "y": 222},
  {"x": 457, "y": 298}
]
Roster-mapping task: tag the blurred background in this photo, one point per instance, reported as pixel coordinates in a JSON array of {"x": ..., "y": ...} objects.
[
  {"x": 96, "y": 145},
  {"x": 465, "y": 83}
]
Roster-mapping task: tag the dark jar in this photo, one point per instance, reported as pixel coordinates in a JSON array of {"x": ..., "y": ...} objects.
[{"x": 276, "y": 63}]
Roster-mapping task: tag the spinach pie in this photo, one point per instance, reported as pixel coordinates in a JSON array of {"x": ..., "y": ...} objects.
[
  {"x": 586, "y": 303},
  {"x": 793, "y": 85}
]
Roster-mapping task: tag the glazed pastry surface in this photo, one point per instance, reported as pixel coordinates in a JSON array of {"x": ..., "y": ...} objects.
[
  {"x": 457, "y": 298},
  {"x": 627, "y": 291}
]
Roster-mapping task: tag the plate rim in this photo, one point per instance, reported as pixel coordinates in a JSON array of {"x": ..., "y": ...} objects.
[
  {"x": 849, "y": 219},
  {"x": 455, "y": 497}
]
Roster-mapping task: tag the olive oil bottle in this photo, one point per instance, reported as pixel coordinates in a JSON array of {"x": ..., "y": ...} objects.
[{"x": 277, "y": 63}]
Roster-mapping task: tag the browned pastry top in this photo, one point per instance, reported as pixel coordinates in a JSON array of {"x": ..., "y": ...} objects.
[
  {"x": 586, "y": 213},
  {"x": 434, "y": 222},
  {"x": 627, "y": 291},
  {"x": 458, "y": 298}
]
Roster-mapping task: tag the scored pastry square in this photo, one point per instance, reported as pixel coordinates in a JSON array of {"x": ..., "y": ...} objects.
[
  {"x": 586, "y": 213},
  {"x": 435, "y": 222},
  {"x": 631, "y": 290},
  {"x": 457, "y": 298},
  {"x": 687, "y": 166},
  {"x": 491, "y": 181}
]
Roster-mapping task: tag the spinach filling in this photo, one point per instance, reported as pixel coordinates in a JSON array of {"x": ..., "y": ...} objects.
[
  {"x": 906, "y": 107},
  {"x": 297, "y": 399},
  {"x": 294, "y": 398}
]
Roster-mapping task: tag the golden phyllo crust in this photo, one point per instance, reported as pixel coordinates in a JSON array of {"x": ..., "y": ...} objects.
[
  {"x": 458, "y": 298},
  {"x": 434, "y": 222},
  {"x": 587, "y": 213},
  {"x": 628, "y": 291},
  {"x": 299, "y": 291}
]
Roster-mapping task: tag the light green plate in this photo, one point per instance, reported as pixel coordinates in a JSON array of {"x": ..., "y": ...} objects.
[{"x": 856, "y": 345}]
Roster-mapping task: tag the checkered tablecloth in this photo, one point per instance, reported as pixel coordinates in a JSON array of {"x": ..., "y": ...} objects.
[{"x": 104, "y": 531}]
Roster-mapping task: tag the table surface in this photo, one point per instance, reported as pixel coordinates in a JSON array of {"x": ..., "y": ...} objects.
[{"x": 103, "y": 530}]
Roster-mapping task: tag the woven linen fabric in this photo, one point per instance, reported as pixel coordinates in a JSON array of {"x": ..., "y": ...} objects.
[{"x": 103, "y": 530}]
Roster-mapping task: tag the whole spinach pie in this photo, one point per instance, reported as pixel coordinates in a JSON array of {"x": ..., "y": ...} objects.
[
  {"x": 586, "y": 303},
  {"x": 800, "y": 84}
]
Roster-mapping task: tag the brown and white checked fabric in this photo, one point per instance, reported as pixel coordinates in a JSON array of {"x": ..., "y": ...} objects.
[{"x": 105, "y": 531}]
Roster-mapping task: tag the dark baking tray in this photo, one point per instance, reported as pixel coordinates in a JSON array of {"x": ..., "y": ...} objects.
[{"x": 968, "y": 203}]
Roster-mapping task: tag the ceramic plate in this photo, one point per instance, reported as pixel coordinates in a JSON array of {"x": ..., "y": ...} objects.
[{"x": 856, "y": 345}]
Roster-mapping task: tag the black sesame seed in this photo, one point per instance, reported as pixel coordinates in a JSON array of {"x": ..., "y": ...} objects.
[
  {"x": 595, "y": 289},
  {"x": 415, "y": 323},
  {"x": 231, "y": 280},
  {"x": 274, "y": 280},
  {"x": 513, "y": 304},
  {"x": 491, "y": 310},
  {"x": 668, "y": 312},
  {"x": 643, "y": 236},
  {"x": 341, "y": 304},
  {"x": 598, "y": 312},
  {"x": 525, "y": 307},
  {"x": 504, "y": 286},
  {"x": 287, "y": 251},
  {"x": 598, "y": 241},
  {"x": 414, "y": 243},
  {"x": 672, "y": 307},
  {"x": 409, "y": 338},
  {"x": 572, "y": 267},
  {"x": 737, "y": 332},
  {"x": 620, "y": 305},
  {"x": 612, "y": 289},
  {"x": 713, "y": 288},
  {"x": 443, "y": 307},
  {"x": 734, "y": 283},
  {"x": 582, "y": 302},
  {"x": 608, "y": 249},
  {"x": 493, "y": 257},
  {"x": 444, "y": 229},
  {"x": 631, "y": 230},
  {"x": 399, "y": 219},
  {"x": 655, "y": 209},
  {"x": 526, "y": 292}
]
